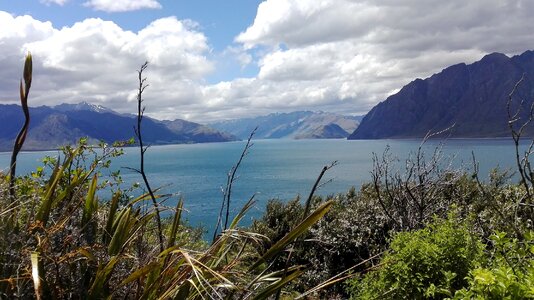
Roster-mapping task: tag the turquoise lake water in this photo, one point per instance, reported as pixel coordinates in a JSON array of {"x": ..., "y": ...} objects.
[{"x": 274, "y": 168}]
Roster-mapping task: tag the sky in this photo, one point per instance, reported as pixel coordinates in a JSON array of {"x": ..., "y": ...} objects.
[{"x": 223, "y": 59}]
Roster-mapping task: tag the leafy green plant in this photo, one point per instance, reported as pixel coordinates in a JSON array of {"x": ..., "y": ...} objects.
[
  {"x": 430, "y": 263},
  {"x": 352, "y": 231},
  {"x": 79, "y": 244},
  {"x": 509, "y": 273}
]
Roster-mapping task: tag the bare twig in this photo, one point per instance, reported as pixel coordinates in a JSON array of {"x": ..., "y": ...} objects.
[
  {"x": 493, "y": 203},
  {"x": 513, "y": 118},
  {"x": 408, "y": 200},
  {"x": 230, "y": 179},
  {"x": 308, "y": 201},
  {"x": 377, "y": 175},
  {"x": 142, "y": 149}
]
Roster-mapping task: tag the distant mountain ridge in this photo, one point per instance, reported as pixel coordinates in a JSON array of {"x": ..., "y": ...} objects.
[
  {"x": 472, "y": 97},
  {"x": 294, "y": 125},
  {"x": 83, "y": 106},
  {"x": 52, "y": 127}
]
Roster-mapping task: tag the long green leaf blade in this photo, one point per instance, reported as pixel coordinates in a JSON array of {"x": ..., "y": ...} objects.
[
  {"x": 141, "y": 272},
  {"x": 103, "y": 274},
  {"x": 91, "y": 204},
  {"x": 273, "y": 288},
  {"x": 293, "y": 234},
  {"x": 175, "y": 223},
  {"x": 106, "y": 237}
]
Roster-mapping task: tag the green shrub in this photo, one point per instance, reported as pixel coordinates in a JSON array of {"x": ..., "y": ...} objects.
[
  {"x": 278, "y": 219},
  {"x": 431, "y": 263},
  {"x": 509, "y": 273},
  {"x": 351, "y": 232}
]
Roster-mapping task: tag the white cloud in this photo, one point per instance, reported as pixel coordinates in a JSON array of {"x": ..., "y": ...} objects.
[
  {"x": 16, "y": 32},
  {"x": 239, "y": 54},
  {"x": 346, "y": 55},
  {"x": 298, "y": 22},
  {"x": 58, "y": 2},
  {"x": 96, "y": 61},
  {"x": 332, "y": 55},
  {"x": 122, "y": 5}
]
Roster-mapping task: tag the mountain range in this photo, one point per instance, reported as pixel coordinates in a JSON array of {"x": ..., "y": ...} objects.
[
  {"x": 52, "y": 127},
  {"x": 471, "y": 98},
  {"x": 294, "y": 125}
]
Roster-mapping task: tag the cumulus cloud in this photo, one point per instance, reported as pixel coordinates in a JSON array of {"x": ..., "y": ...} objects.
[
  {"x": 121, "y": 5},
  {"x": 334, "y": 55},
  {"x": 346, "y": 55},
  {"x": 17, "y": 32},
  {"x": 239, "y": 55},
  {"x": 96, "y": 61}
]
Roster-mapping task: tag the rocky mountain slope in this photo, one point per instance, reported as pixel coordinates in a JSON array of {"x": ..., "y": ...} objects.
[
  {"x": 51, "y": 127},
  {"x": 472, "y": 97}
]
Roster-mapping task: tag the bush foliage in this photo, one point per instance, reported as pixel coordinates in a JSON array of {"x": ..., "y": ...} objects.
[
  {"x": 364, "y": 232},
  {"x": 432, "y": 262}
]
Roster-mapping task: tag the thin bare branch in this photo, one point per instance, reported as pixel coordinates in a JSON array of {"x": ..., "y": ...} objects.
[
  {"x": 142, "y": 150},
  {"x": 314, "y": 188},
  {"x": 227, "y": 192}
]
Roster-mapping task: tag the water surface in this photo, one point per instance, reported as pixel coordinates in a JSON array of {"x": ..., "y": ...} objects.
[{"x": 279, "y": 169}]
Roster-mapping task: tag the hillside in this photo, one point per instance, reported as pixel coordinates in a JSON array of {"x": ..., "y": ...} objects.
[
  {"x": 294, "y": 125},
  {"x": 51, "y": 127},
  {"x": 473, "y": 97}
]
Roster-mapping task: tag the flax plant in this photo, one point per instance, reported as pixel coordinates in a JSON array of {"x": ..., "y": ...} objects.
[
  {"x": 79, "y": 245},
  {"x": 78, "y": 234},
  {"x": 24, "y": 90}
]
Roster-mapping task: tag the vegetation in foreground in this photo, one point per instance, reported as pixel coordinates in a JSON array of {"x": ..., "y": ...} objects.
[
  {"x": 421, "y": 232},
  {"x": 358, "y": 251},
  {"x": 60, "y": 241},
  {"x": 67, "y": 233}
]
